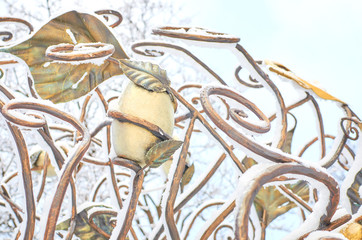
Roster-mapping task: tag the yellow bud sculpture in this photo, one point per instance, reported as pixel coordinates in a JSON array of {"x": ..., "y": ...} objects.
[
  {"x": 131, "y": 141},
  {"x": 147, "y": 98}
]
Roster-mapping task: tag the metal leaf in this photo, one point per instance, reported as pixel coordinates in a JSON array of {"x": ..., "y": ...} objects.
[
  {"x": 161, "y": 152},
  {"x": 269, "y": 200},
  {"x": 285, "y": 72},
  {"x": 62, "y": 82},
  {"x": 84, "y": 230},
  {"x": 187, "y": 175},
  {"x": 353, "y": 192},
  {"x": 145, "y": 74}
]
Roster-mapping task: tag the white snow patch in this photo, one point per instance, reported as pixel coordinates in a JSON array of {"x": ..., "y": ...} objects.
[
  {"x": 75, "y": 85},
  {"x": 325, "y": 234},
  {"x": 71, "y": 35}
]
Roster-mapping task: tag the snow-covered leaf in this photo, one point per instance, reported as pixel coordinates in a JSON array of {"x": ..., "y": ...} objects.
[
  {"x": 285, "y": 72},
  {"x": 65, "y": 81}
]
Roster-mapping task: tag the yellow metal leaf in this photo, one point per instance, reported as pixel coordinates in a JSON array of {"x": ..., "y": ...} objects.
[
  {"x": 62, "y": 82},
  {"x": 187, "y": 175},
  {"x": 285, "y": 72}
]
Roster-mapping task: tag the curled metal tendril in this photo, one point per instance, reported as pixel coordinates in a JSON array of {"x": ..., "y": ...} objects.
[
  {"x": 18, "y": 20},
  {"x": 117, "y": 14},
  {"x": 224, "y": 226},
  {"x": 79, "y": 52},
  {"x": 237, "y": 70},
  {"x": 198, "y": 34},
  {"x": 6, "y": 36},
  {"x": 238, "y": 116},
  {"x": 146, "y": 52},
  {"x": 351, "y": 130},
  {"x": 157, "y": 53}
]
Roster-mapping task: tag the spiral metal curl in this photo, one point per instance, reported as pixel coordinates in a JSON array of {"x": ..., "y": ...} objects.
[
  {"x": 114, "y": 13},
  {"x": 352, "y": 130},
  {"x": 239, "y": 137},
  {"x": 7, "y": 35},
  {"x": 252, "y": 85}
]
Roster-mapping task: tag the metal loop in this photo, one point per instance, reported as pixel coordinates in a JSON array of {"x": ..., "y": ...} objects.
[
  {"x": 146, "y": 52},
  {"x": 113, "y": 13},
  {"x": 79, "y": 52},
  {"x": 6, "y": 36},
  {"x": 238, "y": 115},
  {"x": 351, "y": 130},
  {"x": 195, "y": 33},
  {"x": 237, "y": 70}
]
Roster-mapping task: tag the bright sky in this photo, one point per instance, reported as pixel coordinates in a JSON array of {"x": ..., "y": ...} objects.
[{"x": 318, "y": 40}]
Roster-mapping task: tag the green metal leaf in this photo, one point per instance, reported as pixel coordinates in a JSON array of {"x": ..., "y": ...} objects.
[
  {"x": 145, "y": 74},
  {"x": 83, "y": 230},
  {"x": 161, "y": 152},
  {"x": 269, "y": 201},
  {"x": 62, "y": 82}
]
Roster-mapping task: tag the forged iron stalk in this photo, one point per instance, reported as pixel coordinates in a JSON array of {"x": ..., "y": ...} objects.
[
  {"x": 173, "y": 47},
  {"x": 69, "y": 167},
  {"x": 197, "y": 214},
  {"x": 133, "y": 196},
  {"x": 321, "y": 127},
  {"x": 175, "y": 183},
  {"x": 29, "y": 218}
]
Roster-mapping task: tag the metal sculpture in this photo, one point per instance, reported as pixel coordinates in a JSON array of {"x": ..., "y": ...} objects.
[{"x": 73, "y": 53}]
